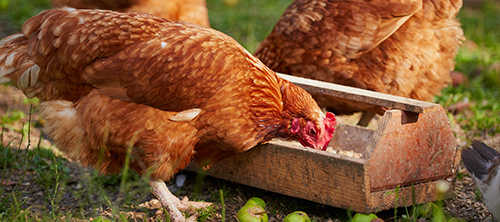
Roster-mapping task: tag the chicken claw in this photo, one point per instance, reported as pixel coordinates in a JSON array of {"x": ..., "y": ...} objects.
[
  {"x": 191, "y": 206},
  {"x": 173, "y": 204}
]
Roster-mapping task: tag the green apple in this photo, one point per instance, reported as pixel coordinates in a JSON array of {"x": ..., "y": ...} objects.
[
  {"x": 256, "y": 201},
  {"x": 253, "y": 211},
  {"x": 363, "y": 217},
  {"x": 297, "y": 216}
]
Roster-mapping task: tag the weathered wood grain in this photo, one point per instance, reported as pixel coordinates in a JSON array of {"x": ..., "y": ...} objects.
[
  {"x": 290, "y": 169},
  {"x": 386, "y": 199},
  {"x": 361, "y": 95},
  {"x": 404, "y": 152}
]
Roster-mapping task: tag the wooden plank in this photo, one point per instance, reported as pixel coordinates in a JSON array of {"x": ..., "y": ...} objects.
[
  {"x": 424, "y": 192},
  {"x": 410, "y": 148},
  {"x": 347, "y": 138},
  {"x": 290, "y": 169},
  {"x": 350, "y": 183},
  {"x": 361, "y": 95},
  {"x": 386, "y": 199}
]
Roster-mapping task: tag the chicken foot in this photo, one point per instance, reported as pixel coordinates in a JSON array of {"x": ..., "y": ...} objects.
[{"x": 173, "y": 204}]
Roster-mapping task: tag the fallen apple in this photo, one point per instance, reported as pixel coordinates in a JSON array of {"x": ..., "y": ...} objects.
[
  {"x": 363, "y": 217},
  {"x": 256, "y": 201},
  {"x": 253, "y": 211},
  {"x": 297, "y": 216}
]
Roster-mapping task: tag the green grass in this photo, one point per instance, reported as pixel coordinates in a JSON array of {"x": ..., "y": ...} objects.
[
  {"x": 55, "y": 177},
  {"x": 13, "y": 13},
  {"x": 478, "y": 63},
  {"x": 248, "y": 22}
]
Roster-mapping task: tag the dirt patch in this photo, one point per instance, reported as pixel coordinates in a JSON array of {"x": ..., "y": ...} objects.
[{"x": 465, "y": 203}]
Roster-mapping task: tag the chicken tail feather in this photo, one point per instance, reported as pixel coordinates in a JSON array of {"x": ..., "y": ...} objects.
[
  {"x": 16, "y": 65},
  {"x": 479, "y": 159}
]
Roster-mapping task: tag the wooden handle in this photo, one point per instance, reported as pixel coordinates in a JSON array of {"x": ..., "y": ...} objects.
[{"x": 361, "y": 95}]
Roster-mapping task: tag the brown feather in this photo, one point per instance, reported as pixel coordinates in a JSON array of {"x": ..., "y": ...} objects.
[
  {"x": 123, "y": 87},
  {"x": 404, "y": 48},
  {"x": 98, "y": 130}
]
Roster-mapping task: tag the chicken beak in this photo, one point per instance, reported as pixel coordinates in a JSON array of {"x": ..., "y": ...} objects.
[{"x": 323, "y": 145}]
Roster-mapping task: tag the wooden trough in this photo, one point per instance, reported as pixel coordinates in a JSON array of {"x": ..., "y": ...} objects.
[{"x": 413, "y": 144}]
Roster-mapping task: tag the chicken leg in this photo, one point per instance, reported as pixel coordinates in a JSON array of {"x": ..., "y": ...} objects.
[{"x": 173, "y": 204}]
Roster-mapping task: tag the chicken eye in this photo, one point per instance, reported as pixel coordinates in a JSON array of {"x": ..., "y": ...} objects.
[{"x": 312, "y": 132}]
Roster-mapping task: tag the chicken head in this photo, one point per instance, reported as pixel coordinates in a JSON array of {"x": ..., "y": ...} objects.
[{"x": 316, "y": 136}]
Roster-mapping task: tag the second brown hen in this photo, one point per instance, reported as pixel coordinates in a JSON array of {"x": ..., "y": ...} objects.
[
  {"x": 193, "y": 11},
  {"x": 405, "y": 48}
]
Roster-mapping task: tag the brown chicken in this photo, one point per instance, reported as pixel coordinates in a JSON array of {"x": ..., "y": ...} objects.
[
  {"x": 172, "y": 91},
  {"x": 401, "y": 47},
  {"x": 194, "y": 11}
]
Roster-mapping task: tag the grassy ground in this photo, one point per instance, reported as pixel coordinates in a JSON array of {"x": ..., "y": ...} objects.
[
  {"x": 479, "y": 60},
  {"x": 38, "y": 184}
]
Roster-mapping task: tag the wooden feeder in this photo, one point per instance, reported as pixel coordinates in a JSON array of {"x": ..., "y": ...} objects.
[{"x": 413, "y": 145}]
